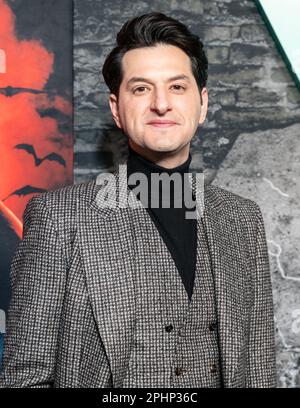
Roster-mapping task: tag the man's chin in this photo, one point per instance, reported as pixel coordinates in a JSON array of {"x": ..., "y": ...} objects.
[
  {"x": 163, "y": 149},
  {"x": 163, "y": 146},
  {"x": 159, "y": 147}
]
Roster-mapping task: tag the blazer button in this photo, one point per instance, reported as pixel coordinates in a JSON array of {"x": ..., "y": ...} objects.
[
  {"x": 213, "y": 368},
  {"x": 213, "y": 326},
  {"x": 179, "y": 370},
  {"x": 169, "y": 328}
]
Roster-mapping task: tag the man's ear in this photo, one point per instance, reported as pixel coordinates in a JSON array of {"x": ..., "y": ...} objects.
[
  {"x": 204, "y": 105},
  {"x": 113, "y": 103}
]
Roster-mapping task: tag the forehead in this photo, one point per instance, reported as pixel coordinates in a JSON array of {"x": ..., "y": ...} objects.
[{"x": 156, "y": 61}]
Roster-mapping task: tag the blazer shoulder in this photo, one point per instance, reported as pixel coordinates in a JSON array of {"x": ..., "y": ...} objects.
[
  {"x": 66, "y": 196},
  {"x": 64, "y": 203},
  {"x": 232, "y": 201}
]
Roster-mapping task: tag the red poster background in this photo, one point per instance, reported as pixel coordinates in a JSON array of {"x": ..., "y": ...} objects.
[{"x": 36, "y": 114}]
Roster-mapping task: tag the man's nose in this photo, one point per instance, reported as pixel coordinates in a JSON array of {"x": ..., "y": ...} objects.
[{"x": 160, "y": 102}]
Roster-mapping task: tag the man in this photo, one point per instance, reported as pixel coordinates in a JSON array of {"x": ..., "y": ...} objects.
[{"x": 141, "y": 296}]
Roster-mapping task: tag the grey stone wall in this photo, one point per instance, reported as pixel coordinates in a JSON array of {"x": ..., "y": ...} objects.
[{"x": 248, "y": 144}]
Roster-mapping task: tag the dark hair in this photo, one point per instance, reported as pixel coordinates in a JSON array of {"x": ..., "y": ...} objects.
[{"x": 148, "y": 30}]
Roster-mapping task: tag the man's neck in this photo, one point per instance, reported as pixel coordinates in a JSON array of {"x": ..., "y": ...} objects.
[
  {"x": 137, "y": 162},
  {"x": 167, "y": 161}
]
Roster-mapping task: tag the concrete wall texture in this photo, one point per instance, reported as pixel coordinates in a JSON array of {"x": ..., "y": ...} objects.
[{"x": 247, "y": 145}]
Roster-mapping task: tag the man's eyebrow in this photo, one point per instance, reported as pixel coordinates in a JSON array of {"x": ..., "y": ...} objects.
[{"x": 142, "y": 79}]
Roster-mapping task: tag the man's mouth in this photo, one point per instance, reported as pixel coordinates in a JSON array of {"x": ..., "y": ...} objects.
[{"x": 162, "y": 123}]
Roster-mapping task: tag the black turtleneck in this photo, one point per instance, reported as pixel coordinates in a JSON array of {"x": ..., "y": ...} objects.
[{"x": 178, "y": 233}]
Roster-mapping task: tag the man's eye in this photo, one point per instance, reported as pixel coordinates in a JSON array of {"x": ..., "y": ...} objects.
[
  {"x": 178, "y": 87},
  {"x": 140, "y": 89}
]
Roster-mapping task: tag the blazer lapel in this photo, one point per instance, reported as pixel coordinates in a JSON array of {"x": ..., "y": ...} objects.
[
  {"x": 225, "y": 240},
  {"x": 109, "y": 265}
]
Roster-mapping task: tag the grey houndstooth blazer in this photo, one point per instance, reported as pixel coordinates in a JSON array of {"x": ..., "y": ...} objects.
[{"x": 71, "y": 317}]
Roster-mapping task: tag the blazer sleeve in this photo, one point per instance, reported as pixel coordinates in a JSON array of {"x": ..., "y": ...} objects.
[
  {"x": 37, "y": 291},
  {"x": 261, "y": 368}
]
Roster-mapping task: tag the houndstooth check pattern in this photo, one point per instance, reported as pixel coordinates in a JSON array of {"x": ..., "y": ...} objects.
[{"x": 73, "y": 313}]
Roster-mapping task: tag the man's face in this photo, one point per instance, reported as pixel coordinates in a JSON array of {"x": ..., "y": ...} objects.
[{"x": 158, "y": 86}]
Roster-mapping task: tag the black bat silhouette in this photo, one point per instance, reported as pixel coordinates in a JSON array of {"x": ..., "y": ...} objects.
[
  {"x": 52, "y": 156},
  {"x": 11, "y": 91},
  {"x": 25, "y": 191}
]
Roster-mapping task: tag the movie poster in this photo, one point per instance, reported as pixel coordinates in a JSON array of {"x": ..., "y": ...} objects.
[{"x": 36, "y": 115}]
